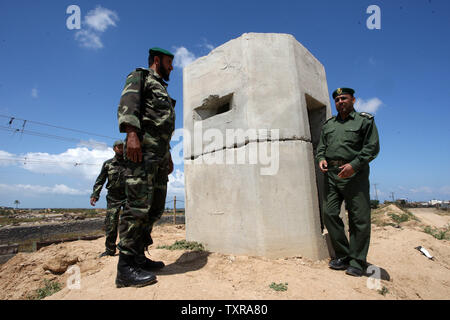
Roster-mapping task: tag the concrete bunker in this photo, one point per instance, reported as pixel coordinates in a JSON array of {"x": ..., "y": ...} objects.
[{"x": 271, "y": 86}]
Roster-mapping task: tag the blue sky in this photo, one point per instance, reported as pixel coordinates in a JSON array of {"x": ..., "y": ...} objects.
[{"x": 73, "y": 79}]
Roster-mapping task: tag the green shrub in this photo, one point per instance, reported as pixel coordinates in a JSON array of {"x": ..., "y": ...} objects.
[
  {"x": 279, "y": 286},
  {"x": 440, "y": 234},
  {"x": 383, "y": 291},
  {"x": 49, "y": 288},
  {"x": 184, "y": 245},
  {"x": 399, "y": 218}
]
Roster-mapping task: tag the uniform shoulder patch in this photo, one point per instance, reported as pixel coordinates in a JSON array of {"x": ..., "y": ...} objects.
[{"x": 367, "y": 115}]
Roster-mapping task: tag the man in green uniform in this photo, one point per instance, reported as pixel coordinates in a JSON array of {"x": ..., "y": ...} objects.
[
  {"x": 147, "y": 114},
  {"x": 113, "y": 170},
  {"x": 348, "y": 142}
]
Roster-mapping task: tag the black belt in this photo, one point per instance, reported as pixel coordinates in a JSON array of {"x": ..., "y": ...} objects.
[{"x": 336, "y": 163}]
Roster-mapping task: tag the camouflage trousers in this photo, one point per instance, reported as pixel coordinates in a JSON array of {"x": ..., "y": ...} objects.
[
  {"x": 146, "y": 189},
  {"x": 114, "y": 205}
]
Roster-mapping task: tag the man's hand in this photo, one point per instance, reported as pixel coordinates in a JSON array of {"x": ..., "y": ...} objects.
[
  {"x": 134, "y": 151},
  {"x": 346, "y": 171},
  {"x": 323, "y": 165},
  {"x": 93, "y": 201},
  {"x": 170, "y": 164}
]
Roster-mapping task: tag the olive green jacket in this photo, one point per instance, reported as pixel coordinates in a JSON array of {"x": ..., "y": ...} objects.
[{"x": 354, "y": 140}]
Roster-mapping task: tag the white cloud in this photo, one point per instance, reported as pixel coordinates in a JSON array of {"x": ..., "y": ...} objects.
[
  {"x": 175, "y": 186},
  {"x": 421, "y": 190},
  {"x": 97, "y": 21},
  {"x": 370, "y": 105},
  {"x": 59, "y": 189},
  {"x": 101, "y": 19},
  {"x": 34, "y": 93},
  {"x": 88, "y": 39},
  {"x": 91, "y": 143},
  {"x": 205, "y": 44},
  {"x": 183, "y": 57},
  {"x": 6, "y": 159},
  {"x": 80, "y": 162}
]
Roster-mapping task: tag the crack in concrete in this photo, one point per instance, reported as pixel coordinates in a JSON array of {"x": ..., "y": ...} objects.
[{"x": 247, "y": 141}]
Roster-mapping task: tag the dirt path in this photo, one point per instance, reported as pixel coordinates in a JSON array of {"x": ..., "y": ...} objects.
[
  {"x": 428, "y": 216},
  {"x": 406, "y": 272}
]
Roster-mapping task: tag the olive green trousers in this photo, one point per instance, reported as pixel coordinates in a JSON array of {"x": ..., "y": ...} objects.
[{"x": 355, "y": 191}]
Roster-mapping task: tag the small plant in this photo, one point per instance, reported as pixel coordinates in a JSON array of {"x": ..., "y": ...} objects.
[
  {"x": 399, "y": 218},
  {"x": 383, "y": 291},
  {"x": 440, "y": 234},
  {"x": 374, "y": 204},
  {"x": 50, "y": 287},
  {"x": 184, "y": 245},
  {"x": 279, "y": 286}
]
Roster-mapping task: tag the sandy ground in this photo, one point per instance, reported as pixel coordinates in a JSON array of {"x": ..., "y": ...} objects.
[
  {"x": 431, "y": 217},
  {"x": 405, "y": 272}
]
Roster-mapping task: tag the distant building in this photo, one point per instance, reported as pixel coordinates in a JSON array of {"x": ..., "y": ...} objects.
[
  {"x": 434, "y": 202},
  {"x": 445, "y": 205}
]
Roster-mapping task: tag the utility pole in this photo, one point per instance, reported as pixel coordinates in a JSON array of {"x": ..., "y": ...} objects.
[
  {"x": 376, "y": 191},
  {"x": 392, "y": 196},
  {"x": 174, "y": 209}
]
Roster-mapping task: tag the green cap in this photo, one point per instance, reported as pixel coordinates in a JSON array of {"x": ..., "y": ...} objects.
[
  {"x": 118, "y": 143},
  {"x": 154, "y": 51},
  {"x": 340, "y": 91}
]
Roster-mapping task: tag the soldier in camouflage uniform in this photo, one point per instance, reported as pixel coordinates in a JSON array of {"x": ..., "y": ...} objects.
[
  {"x": 348, "y": 142},
  {"x": 147, "y": 114},
  {"x": 113, "y": 170}
]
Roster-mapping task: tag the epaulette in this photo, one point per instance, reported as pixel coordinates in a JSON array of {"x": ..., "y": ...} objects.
[
  {"x": 142, "y": 69},
  {"x": 334, "y": 117},
  {"x": 367, "y": 115}
]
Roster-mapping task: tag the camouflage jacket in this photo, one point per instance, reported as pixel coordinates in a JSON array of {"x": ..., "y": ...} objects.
[
  {"x": 113, "y": 170},
  {"x": 152, "y": 113}
]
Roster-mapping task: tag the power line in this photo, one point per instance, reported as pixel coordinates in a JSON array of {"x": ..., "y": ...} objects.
[
  {"x": 12, "y": 119},
  {"x": 48, "y": 161},
  {"x": 46, "y": 135}
]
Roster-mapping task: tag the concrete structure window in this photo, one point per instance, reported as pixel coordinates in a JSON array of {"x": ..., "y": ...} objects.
[{"x": 212, "y": 106}]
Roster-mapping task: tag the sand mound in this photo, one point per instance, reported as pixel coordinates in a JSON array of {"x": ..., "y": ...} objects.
[
  {"x": 391, "y": 215},
  {"x": 405, "y": 273},
  {"x": 392, "y": 208}
]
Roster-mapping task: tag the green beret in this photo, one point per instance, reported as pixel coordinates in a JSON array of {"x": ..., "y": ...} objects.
[
  {"x": 154, "y": 51},
  {"x": 118, "y": 143},
  {"x": 340, "y": 91}
]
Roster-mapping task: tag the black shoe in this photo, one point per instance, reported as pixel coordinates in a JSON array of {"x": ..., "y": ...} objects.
[
  {"x": 338, "y": 264},
  {"x": 106, "y": 253},
  {"x": 352, "y": 271},
  {"x": 129, "y": 274},
  {"x": 144, "y": 263}
]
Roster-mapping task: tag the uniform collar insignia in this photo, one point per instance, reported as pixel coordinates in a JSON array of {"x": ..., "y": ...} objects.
[{"x": 352, "y": 114}]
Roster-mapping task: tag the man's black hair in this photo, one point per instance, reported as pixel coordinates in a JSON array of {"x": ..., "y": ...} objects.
[{"x": 151, "y": 58}]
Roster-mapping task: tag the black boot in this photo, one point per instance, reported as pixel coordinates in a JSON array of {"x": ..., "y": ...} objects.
[
  {"x": 129, "y": 274},
  {"x": 146, "y": 264},
  {"x": 107, "y": 253}
]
